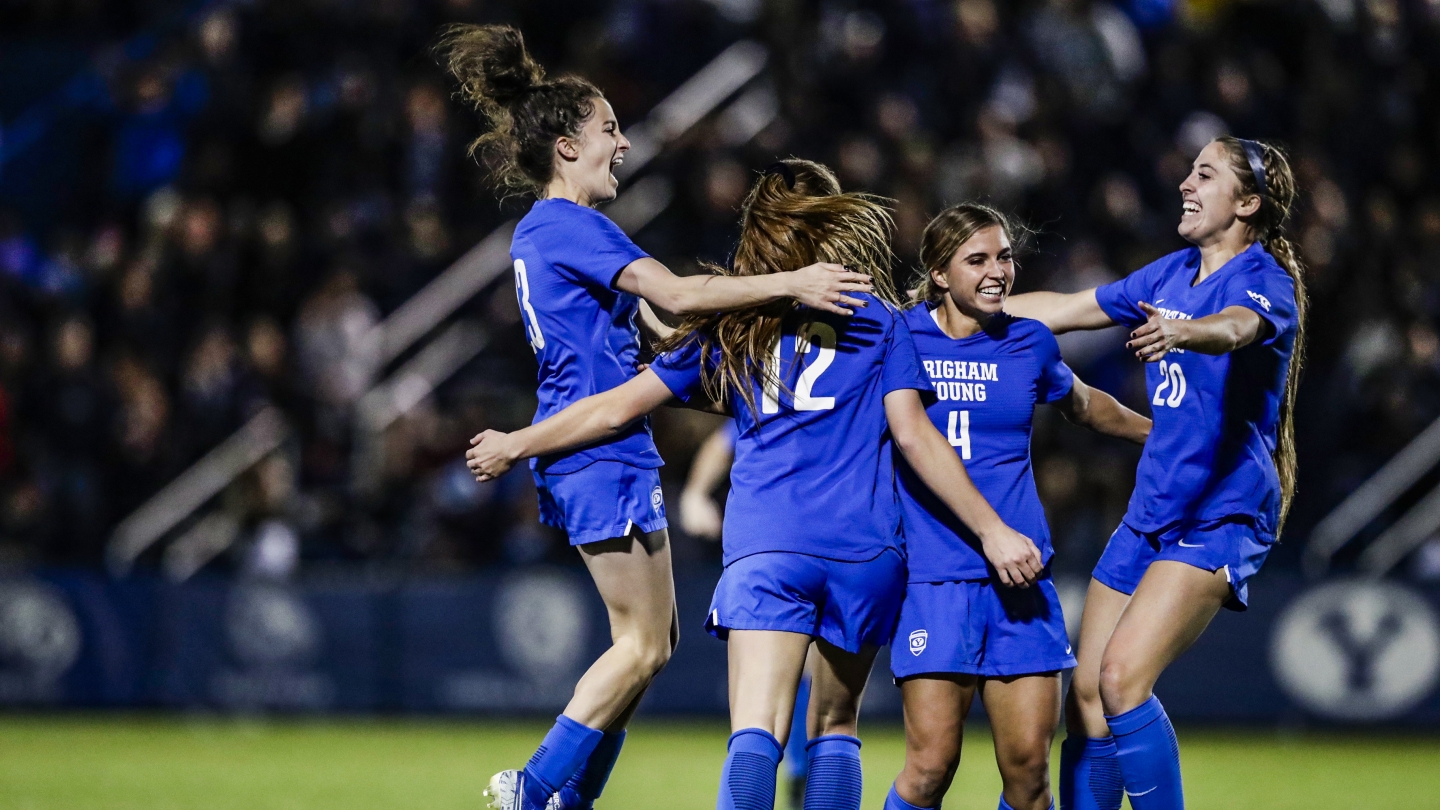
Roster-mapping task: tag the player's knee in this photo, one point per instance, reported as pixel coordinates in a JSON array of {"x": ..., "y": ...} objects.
[
  {"x": 654, "y": 654},
  {"x": 1026, "y": 770},
  {"x": 1118, "y": 683},
  {"x": 1084, "y": 692},
  {"x": 927, "y": 774}
]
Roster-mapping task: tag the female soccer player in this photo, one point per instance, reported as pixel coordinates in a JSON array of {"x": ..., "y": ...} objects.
[
  {"x": 960, "y": 632},
  {"x": 1222, "y": 325},
  {"x": 811, "y": 534},
  {"x": 577, "y": 276}
]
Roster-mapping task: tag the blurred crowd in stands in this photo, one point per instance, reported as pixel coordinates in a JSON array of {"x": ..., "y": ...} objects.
[{"x": 205, "y": 209}]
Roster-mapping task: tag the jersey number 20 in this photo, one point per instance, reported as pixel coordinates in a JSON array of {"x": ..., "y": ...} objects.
[
  {"x": 811, "y": 333},
  {"x": 527, "y": 312},
  {"x": 1173, "y": 378}
]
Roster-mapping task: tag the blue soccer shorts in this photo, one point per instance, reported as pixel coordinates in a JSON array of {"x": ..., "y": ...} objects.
[
  {"x": 601, "y": 500},
  {"x": 849, "y": 604},
  {"x": 1230, "y": 543},
  {"x": 980, "y": 627}
]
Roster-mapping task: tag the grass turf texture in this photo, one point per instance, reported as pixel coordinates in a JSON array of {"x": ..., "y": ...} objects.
[{"x": 167, "y": 763}]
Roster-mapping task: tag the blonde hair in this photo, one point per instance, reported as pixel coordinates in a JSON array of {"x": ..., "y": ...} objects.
[
  {"x": 943, "y": 237},
  {"x": 795, "y": 215},
  {"x": 1268, "y": 225}
]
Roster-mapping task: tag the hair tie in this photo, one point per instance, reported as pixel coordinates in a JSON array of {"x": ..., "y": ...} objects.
[
  {"x": 780, "y": 169},
  {"x": 1255, "y": 153}
]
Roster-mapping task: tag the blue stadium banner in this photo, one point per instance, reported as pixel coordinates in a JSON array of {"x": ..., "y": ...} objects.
[{"x": 1341, "y": 651}]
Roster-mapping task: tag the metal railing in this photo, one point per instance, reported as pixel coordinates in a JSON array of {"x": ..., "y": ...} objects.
[{"x": 1369, "y": 501}]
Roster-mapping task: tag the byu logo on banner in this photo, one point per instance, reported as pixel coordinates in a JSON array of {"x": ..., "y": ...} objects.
[
  {"x": 917, "y": 641},
  {"x": 540, "y": 622},
  {"x": 1357, "y": 650},
  {"x": 39, "y": 640}
]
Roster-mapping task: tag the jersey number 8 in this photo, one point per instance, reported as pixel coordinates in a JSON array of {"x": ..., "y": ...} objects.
[
  {"x": 811, "y": 333},
  {"x": 527, "y": 312},
  {"x": 1173, "y": 378}
]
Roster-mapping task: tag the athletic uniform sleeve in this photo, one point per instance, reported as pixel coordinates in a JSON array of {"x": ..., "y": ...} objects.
[
  {"x": 588, "y": 248},
  {"x": 681, "y": 370},
  {"x": 1056, "y": 378},
  {"x": 1270, "y": 293},
  {"x": 901, "y": 365},
  {"x": 1121, "y": 299}
]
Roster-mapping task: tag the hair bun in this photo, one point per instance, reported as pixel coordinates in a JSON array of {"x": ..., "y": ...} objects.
[{"x": 491, "y": 64}]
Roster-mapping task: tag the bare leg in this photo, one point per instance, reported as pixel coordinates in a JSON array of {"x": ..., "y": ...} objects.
[
  {"x": 634, "y": 578},
  {"x": 935, "y": 710},
  {"x": 765, "y": 667},
  {"x": 836, "y": 686},
  {"x": 1084, "y": 713},
  {"x": 1024, "y": 713},
  {"x": 1170, "y": 609}
]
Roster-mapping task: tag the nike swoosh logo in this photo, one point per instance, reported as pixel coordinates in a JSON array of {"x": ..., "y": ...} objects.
[
  {"x": 1151, "y": 790},
  {"x": 1184, "y": 544}
]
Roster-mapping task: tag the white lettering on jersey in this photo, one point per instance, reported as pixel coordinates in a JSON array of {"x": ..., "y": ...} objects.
[
  {"x": 961, "y": 370},
  {"x": 1259, "y": 299}
]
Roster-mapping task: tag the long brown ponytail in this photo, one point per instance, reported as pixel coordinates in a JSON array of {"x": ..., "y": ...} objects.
[
  {"x": 1268, "y": 225},
  {"x": 525, "y": 111},
  {"x": 794, "y": 216}
]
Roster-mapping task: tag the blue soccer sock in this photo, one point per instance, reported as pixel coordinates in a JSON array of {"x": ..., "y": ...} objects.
[
  {"x": 1149, "y": 757},
  {"x": 586, "y": 785},
  {"x": 834, "y": 781},
  {"x": 747, "y": 781},
  {"x": 797, "y": 761},
  {"x": 1090, "y": 774},
  {"x": 894, "y": 802},
  {"x": 560, "y": 755}
]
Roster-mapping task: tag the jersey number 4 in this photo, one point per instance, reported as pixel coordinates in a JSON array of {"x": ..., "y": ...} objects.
[
  {"x": 1172, "y": 377},
  {"x": 810, "y": 334},
  {"x": 961, "y": 439},
  {"x": 527, "y": 312}
]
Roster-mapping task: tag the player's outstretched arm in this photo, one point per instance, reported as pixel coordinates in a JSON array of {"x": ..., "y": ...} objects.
[
  {"x": 1015, "y": 557},
  {"x": 819, "y": 286},
  {"x": 1231, "y": 328},
  {"x": 595, "y": 417},
  {"x": 1062, "y": 312},
  {"x": 1094, "y": 409}
]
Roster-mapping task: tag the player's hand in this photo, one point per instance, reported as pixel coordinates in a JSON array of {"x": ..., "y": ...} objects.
[
  {"x": 700, "y": 515},
  {"x": 825, "y": 286},
  {"x": 490, "y": 455},
  {"x": 1015, "y": 557},
  {"x": 1158, "y": 335}
]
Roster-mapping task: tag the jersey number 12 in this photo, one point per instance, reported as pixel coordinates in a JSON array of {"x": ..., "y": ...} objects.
[{"x": 811, "y": 333}]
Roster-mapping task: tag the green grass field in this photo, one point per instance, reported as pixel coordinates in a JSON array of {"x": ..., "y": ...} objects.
[{"x": 169, "y": 763}]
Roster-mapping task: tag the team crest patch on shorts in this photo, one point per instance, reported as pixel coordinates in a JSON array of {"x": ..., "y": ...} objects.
[
  {"x": 917, "y": 641},
  {"x": 657, "y": 500}
]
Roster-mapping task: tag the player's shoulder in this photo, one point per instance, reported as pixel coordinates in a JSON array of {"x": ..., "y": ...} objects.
[
  {"x": 1185, "y": 259},
  {"x": 1026, "y": 332},
  {"x": 561, "y": 219}
]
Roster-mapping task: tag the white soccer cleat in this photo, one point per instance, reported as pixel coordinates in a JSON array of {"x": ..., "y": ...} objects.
[{"x": 506, "y": 792}]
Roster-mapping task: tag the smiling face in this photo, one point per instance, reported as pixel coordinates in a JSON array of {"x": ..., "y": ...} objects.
[
  {"x": 1212, "y": 204},
  {"x": 980, "y": 274},
  {"x": 587, "y": 161}
]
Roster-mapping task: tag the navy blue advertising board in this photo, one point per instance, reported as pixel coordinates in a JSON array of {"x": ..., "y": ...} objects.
[{"x": 515, "y": 643}]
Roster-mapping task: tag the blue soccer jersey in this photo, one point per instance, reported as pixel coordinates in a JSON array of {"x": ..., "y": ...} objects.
[
  {"x": 1210, "y": 453},
  {"x": 812, "y": 471},
  {"x": 566, "y": 259},
  {"x": 986, "y": 389}
]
